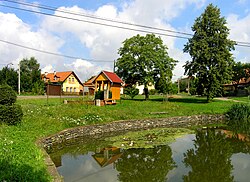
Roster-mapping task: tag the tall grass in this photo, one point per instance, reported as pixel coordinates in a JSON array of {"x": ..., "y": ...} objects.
[{"x": 238, "y": 118}]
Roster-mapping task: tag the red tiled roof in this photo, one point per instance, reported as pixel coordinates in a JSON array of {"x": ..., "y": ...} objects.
[
  {"x": 90, "y": 81},
  {"x": 112, "y": 77},
  {"x": 61, "y": 76}
]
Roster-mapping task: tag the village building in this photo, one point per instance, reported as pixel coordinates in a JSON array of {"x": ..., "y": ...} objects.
[{"x": 65, "y": 83}]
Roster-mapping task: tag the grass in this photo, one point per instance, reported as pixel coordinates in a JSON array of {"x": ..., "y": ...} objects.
[{"x": 22, "y": 160}]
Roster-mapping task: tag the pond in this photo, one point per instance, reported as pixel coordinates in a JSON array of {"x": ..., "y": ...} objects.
[{"x": 209, "y": 155}]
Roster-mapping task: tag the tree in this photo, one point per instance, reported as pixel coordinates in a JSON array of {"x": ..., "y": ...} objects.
[
  {"x": 30, "y": 75},
  {"x": 241, "y": 71},
  {"x": 9, "y": 76},
  {"x": 143, "y": 60},
  {"x": 131, "y": 91},
  {"x": 210, "y": 49}
]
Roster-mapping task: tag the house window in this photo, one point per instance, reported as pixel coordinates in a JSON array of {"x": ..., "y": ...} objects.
[
  {"x": 74, "y": 89},
  {"x": 69, "y": 80},
  {"x": 73, "y": 80},
  {"x": 55, "y": 78},
  {"x": 70, "y": 89},
  {"x": 67, "y": 89}
]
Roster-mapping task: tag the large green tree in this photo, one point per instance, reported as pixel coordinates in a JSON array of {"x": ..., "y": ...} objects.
[
  {"x": 144, "y": 60},
  {"x": 30, "y": 74},
  {"x": 210, "y": 49},
  {"x": 9, "y": 76}
]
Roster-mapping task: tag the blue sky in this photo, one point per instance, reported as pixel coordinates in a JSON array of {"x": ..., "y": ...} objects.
[{"x": 94, "y": 42}]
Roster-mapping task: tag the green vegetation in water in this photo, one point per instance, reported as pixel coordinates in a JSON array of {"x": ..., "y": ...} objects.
[
  {"x": 148, "y": 138},
  {"x": 238, "y": 118}
]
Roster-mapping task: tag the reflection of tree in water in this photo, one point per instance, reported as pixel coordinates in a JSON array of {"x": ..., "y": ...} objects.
[
  {"x": 150, "y": 164},
  {"x": 210, "y": 159}
]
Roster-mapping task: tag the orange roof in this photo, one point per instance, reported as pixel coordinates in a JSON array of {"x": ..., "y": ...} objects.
[
  {"x": 90, "y": 81},
  {"x": 60, "y": 76}
]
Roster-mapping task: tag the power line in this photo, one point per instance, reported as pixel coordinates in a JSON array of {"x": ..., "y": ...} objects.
[
  {"x": 51, "y": 53},
  {"x": 95, "y": 17},
  {"x": 98, "y": 23},
  {"x": 242, "y": 44},
  {"x": 239, "y": 43}
]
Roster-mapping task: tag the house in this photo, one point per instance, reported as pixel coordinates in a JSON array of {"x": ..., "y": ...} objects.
[
  {"x": 68, "y": 81},
  {"x": 108, "y": 82},
  {"x": 89, "y": 86},
  {"x": 141, "y": 88}
]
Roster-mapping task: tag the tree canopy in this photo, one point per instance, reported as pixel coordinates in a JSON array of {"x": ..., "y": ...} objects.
[
  {"x": 30, "y": 74},
  {"x": 210, "y": 49},
  {"x": 144, "y": 60}
]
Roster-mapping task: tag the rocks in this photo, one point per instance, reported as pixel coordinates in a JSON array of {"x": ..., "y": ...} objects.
[{"x": 97, "y": 131}]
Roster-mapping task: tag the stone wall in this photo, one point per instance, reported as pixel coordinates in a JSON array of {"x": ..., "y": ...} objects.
[{"x": 97, "y": 131}]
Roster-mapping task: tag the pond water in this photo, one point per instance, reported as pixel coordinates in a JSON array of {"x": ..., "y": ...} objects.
[{"x": 205, "y": 156}]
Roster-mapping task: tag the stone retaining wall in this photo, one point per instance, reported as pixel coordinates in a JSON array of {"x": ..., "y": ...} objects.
[{"x": 97, "y": 131}]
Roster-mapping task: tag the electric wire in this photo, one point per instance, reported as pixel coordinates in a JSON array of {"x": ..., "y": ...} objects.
[
  {"x": 239, "y": 43},
  {"x": 52, "y": 53},
  {"x": 98, "y": 23}
]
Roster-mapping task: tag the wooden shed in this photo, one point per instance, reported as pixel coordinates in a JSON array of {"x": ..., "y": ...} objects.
[{"x": 108, "y": 82}]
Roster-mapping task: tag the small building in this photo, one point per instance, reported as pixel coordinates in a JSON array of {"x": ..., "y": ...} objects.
[
  {"x": 108, "y": 82},
  {"x": 69, "y": 83},
  {"x": 89, "y": 86}
]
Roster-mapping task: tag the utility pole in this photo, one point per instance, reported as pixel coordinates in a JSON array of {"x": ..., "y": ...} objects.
[
  {"x": 178, "y": 86},
  {"x": 114, "y": 66},
  {"x": 19, "y": 75}
]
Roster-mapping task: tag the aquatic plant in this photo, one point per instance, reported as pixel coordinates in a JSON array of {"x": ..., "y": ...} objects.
[{"x": 238, "y": 118}]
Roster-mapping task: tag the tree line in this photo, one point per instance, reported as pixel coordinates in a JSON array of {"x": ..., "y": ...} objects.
[
  {"x": 144, "y": 59},
  {"x": 30, "y": 77}
]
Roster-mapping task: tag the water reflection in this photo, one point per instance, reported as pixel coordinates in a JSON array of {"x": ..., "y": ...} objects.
[
  {"x": 151, "y": 164},
  {"x": 209, "y": 155},
  {"x": 210, "y": 158}
]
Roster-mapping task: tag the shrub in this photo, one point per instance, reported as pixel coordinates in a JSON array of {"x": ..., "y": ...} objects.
[
  {"x": 238, "y": 118},
  {"x": 11, "y": 114},
  {"x": 131, "y": 91},
  {"x": 7, "y": 95},
  {"x": 152, "y": 92},
  {"x": 99, "y": 95}
]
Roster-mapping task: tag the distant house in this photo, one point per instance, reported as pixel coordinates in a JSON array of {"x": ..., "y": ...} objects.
[
  {"x": 108, "y": 82},
  {"x": 89, "y": 86},
  {"x": 141, "y": 87},
  {"x": 68, "y": 81}
]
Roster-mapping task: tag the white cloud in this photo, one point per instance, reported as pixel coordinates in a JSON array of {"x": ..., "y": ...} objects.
[
  {"x": 16, "y": 31},
  {"x": 240, "y": 31},
  {"x": 103, "y": 42}
]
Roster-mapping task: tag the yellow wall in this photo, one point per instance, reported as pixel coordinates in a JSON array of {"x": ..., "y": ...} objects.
[
  {"x": 68, "y": 83},
  {"x": 115, "y": 88}
]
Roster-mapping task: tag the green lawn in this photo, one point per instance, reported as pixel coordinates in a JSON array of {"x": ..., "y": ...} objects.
[{"x": 21, "y": 159}]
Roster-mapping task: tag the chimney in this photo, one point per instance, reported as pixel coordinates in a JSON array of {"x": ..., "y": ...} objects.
[{"x": 46, "y": 73}]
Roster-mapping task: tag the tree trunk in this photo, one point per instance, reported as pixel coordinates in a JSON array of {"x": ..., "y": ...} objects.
[{"x": 146, "y": 93}]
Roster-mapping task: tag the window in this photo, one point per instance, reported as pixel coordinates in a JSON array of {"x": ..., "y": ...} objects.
[
  {"x": 67, "y": 89},
  {"x": 72, "y": 80},
  {"x": 69, "y": 80},
  {"x": 55, "y": 78},
  {"x": 75, "y": 90},
  {"x": 70, "y": 89}
]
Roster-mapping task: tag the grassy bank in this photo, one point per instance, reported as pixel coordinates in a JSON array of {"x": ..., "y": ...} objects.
[{"x": 21, "y": 159}]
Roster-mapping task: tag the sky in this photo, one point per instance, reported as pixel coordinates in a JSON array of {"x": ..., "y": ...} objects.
[{"x": 91, "y": 47}]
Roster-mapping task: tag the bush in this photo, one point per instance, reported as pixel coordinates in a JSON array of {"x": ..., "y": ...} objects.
[
  {"x": 7, "y": 95},
  {"x": 99, "y": 95},
  {"x": 11, "y": 114},
  {"x": 131, "y": 91},
  {"x": 152, "y": 92},
  {"x": 238, "y": 118}
]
